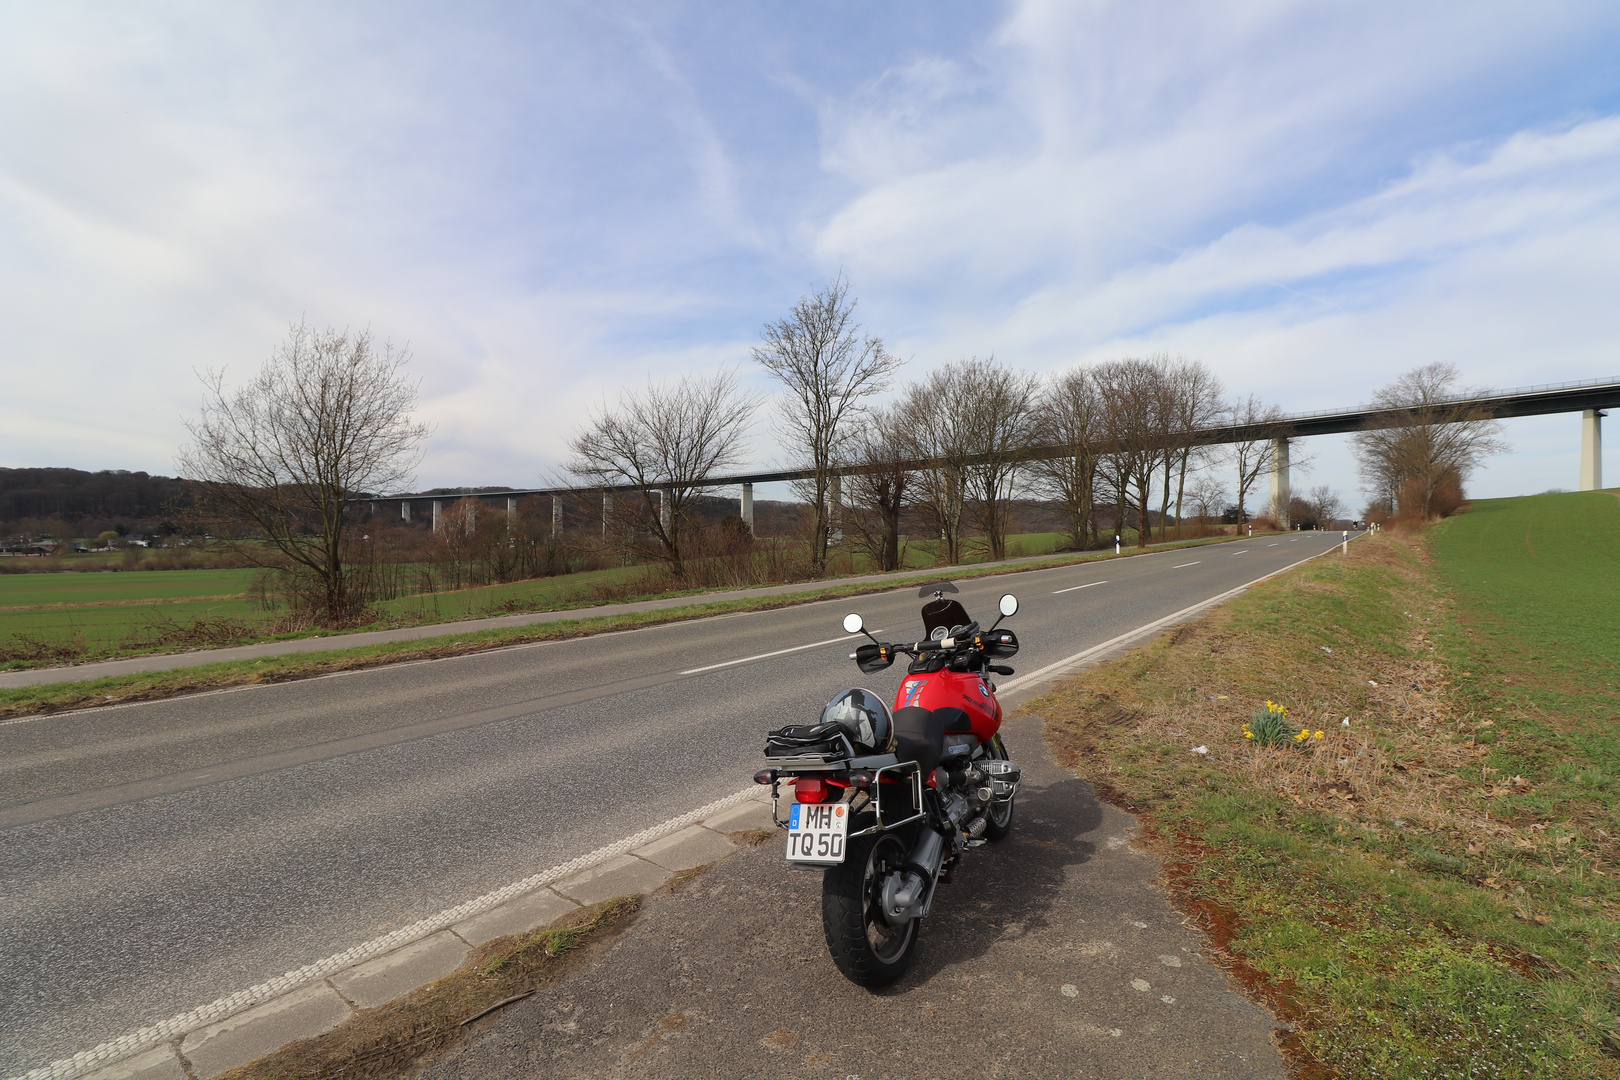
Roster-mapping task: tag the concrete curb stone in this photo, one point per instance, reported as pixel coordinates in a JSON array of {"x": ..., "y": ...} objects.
[
  {"x": 379, "y": 981},
  {"x": 250, "y": 1035},
  {"x": 747, "y": 815},
  {"x": 691, "y": 847},
  {"x": 157, "y": 1064},
  {"x": 539, "y": 908},
  {"x": 622, "y": 875}
]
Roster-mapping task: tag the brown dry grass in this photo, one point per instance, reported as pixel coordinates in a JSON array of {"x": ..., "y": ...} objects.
[{"x": 1405, "y": 755}]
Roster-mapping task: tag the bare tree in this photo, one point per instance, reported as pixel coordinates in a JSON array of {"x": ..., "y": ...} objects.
[
  {"x": 933, "y": 422},
  {"x": 1423, "y": 462},
  {"x": 1068, "y": 417},
  {"x": 999, "y": 412},
  {"x": 1207, "y": 495},
  {"x": 1326, "y": 506},
  {"x": 881, "y": 494},
  {"x": 1195, "y": 401},
  {"x": 664, "y": 443},
  {"x": 829, "y": 367},
  {"x": 1251, "y": 456},
  {"x": 1132, "y": 421},
  {"x": 327, "y": 418}
]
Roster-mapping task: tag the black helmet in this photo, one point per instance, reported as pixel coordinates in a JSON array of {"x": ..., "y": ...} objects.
[{"x": 864, "y": 717}]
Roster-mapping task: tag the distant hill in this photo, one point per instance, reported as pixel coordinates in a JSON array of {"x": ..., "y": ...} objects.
[{"x": 72, "y": 502}]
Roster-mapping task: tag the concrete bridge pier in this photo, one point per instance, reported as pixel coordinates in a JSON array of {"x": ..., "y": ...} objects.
[
  {"x": 607, "y": 509},
  {"x": 438, "y": 510},
  {"x": 556, "y": 516},
  {"x": 835, "y": 509},
  {"x": 747, "y": 508},
  {"x": 665, "y": 517},
  {"x": 1592, "y": 449},
  {"x": 404, "y": 510},
  {"x": 1279, "y": 481}
]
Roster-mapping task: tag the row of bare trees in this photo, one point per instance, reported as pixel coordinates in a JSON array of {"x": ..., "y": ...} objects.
[
  {"x": 329, "y": 418},
  {"x": 954, "y": 450}
]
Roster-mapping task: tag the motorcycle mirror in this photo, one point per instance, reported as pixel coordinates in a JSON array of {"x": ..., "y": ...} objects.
[
  {"x": 1008, "y": 605},
  {"x": 853, "y": 624}
]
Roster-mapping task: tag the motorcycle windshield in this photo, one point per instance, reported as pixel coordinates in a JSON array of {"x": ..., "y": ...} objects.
[{"x": 946, "y": 613}]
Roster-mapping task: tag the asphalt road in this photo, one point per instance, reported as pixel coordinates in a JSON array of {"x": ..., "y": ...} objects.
[
  {"x": 156, "y": 856},
  {"x": 1050, "y": 954}
]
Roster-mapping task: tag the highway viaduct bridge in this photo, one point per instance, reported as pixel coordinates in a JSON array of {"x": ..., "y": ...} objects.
[{"x": 1587, "y": 398}]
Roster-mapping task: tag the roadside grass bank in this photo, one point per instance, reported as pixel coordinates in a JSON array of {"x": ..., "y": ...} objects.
[
  {"x": 1432, "y": 889},
  {"x": 382, "y": 1042},
  {"x": 88, "y": 693},
  {"x": 56, "y": 619}
]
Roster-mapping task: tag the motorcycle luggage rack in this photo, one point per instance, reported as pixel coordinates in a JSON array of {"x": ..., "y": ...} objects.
[{"x": 908, "y": 767}]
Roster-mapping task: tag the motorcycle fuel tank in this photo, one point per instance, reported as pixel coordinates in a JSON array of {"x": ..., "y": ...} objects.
[{"x": 953, "y": 690}]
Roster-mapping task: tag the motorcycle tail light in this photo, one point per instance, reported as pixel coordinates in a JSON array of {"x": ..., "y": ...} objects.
[{"x": 807, "y": 790}]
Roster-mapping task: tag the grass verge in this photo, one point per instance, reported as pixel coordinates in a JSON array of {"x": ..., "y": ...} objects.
[
  {"x": 382, "y": 1042},
  {"x": 88, "y": 693},
  {"x": 1429, "y": 890}
]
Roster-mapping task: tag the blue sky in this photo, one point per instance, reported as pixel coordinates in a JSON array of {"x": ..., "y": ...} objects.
[{"x": 549, "y": 202}]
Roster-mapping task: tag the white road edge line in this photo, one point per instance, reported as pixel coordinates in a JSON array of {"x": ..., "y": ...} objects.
[
  {"x": 163, "y": 1030},
  {"x": 764, "y": 655},
  {"x": 1052, "y": 670},
  {"x": 1195, "y": 562},
  {"x": 1072, "y": 588}
]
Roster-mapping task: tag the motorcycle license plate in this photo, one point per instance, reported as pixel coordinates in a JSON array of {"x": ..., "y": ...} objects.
[{"x": 817, "y": 832}]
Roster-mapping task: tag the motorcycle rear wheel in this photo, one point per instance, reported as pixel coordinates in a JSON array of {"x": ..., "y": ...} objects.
[{"x": 865, "y": 947}]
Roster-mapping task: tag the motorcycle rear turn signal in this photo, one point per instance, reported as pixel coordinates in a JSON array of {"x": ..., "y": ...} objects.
[{"x": 765, "y": 776}]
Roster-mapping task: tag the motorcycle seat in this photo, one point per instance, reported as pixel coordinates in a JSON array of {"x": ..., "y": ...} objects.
[{"x": 919, "y": 735}]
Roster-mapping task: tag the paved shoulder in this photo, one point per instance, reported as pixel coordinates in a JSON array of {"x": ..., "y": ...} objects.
[{"x": 1053, "y": 954}]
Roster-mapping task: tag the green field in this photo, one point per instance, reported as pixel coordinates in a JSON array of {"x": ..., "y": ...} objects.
[
  {"x": 106, "y": 611},
  {"x": 103, "y": 612},
  {"x": 1428, "y": 884}
]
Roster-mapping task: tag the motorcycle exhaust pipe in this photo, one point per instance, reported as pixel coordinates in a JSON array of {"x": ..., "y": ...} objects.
[
  {"x": 909, "y": 894},
  {"x": 928, "y": 855}
]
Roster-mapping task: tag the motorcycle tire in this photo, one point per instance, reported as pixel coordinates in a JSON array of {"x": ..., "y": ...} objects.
[
  {"x": 865, "y": 947},
  {"x": 999, "y": 818}
]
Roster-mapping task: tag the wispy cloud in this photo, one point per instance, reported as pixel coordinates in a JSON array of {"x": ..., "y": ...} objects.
[{"x": 549, "y": 203}]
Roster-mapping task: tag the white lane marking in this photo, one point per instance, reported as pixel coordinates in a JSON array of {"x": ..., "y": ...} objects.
[
  {"x": 1072, "y": 588},
  {"x": 765, "y": 655},
  {"x": 163, "y": 1030},
  {"x": 1051, "y": 670},
  {"x": 1245, "y": 551},
  {"x": 1271, "y": 545},
  {"x": 1195, "y": 562}
]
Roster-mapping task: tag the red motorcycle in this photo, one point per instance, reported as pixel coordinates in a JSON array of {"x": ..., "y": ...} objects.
[{"x": 885, "y": 803}]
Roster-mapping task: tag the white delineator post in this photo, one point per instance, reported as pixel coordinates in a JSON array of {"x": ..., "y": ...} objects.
[
  {"x": 1345, "y": 549},
  {"x": 747, "y": 508},
  {"x": 1592, "y": 449},
  {"x": 1279, "y": 481}
]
